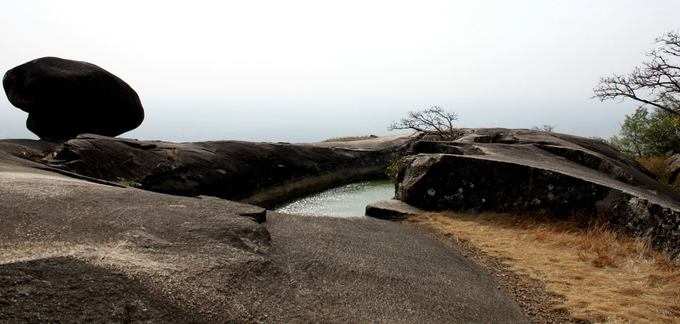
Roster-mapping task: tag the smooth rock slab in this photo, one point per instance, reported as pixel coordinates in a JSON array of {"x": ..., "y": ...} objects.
[{"x": 392, "y": 210}]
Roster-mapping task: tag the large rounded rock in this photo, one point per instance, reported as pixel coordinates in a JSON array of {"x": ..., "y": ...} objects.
[
  {"x": 531, "y": 172},
  {"x": 65, "y": 98}
]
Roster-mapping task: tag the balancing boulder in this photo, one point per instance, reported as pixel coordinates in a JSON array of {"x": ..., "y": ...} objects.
[{"x": 64, "y": 98}]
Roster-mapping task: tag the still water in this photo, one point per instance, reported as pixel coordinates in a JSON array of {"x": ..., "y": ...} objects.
[{"x": 346, "y": 201}]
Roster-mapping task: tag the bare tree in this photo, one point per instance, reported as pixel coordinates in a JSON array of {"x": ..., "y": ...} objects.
[
  {"x": 656, "y": 83},
  {"x": 434, "y": 121}
]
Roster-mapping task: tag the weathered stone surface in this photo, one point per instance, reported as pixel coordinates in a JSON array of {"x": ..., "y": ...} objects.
[
  {"x": 64, "y": 98},
  {"x": 541, "y": 172},
  {"x": 258, "y": 173},
  {"x": 75, "y": 250},
  {"x": 673, "y": 168},
  {"x": 423, "y": 146},
  {"x": 496, "y": 136},
  {"x": 392, "y": 210},
  {"x": 258, "y": 214},
  {"x": 647, "y": 217},
  {"x": 79, "y": 251},
  {"x": 441, "y": 181}
]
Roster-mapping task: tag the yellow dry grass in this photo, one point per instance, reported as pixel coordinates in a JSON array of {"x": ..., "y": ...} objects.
[
  {"x": 656, "y": 165},
  {"x": 603, "y": 276}
]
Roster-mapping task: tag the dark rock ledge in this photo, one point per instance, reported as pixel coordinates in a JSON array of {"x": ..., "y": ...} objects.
[
  {"x": 264, "y": 174},
  {"x": 531, "y": 172}
]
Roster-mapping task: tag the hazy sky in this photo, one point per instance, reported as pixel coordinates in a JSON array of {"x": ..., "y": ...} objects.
[{"x": 306, "y": 70}]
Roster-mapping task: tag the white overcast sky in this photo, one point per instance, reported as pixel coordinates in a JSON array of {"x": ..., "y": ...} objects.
[{"x": 306, "y": 70}]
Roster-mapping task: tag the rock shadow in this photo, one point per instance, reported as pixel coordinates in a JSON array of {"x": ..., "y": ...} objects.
[{"x": 65, "y": 289}]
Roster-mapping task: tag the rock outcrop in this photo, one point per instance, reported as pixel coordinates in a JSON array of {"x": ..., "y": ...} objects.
[
  {"x": 523, "y": 171},
  {"x": 264, "y": 174},
  {"x": 80, "y": 251},
  {"x": 64, "y": 98}
]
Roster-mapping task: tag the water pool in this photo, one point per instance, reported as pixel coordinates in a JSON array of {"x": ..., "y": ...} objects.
[{"x": 345, "y": 201}]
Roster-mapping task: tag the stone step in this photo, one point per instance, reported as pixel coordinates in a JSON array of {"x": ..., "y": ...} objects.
[{"x": 391, "y": 210}]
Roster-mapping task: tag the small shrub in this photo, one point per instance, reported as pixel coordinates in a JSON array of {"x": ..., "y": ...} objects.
[
  {"x": 649, "y": 133},
  {"x": 392, "y": 170},
  {"x": 128, "y": 183}
]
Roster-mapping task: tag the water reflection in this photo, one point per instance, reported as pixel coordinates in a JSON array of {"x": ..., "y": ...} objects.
[{"x": 346, "y": 201}]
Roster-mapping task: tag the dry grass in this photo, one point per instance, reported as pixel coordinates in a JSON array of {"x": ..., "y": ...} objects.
[
  {"x": 656, "y": 165},
  {"x": 603, "y": 276}
]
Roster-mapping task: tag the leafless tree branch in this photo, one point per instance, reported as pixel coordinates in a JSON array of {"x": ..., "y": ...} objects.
[
  {"x": 655, "y": 83},
  {"x": 434, "y": 121}
]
